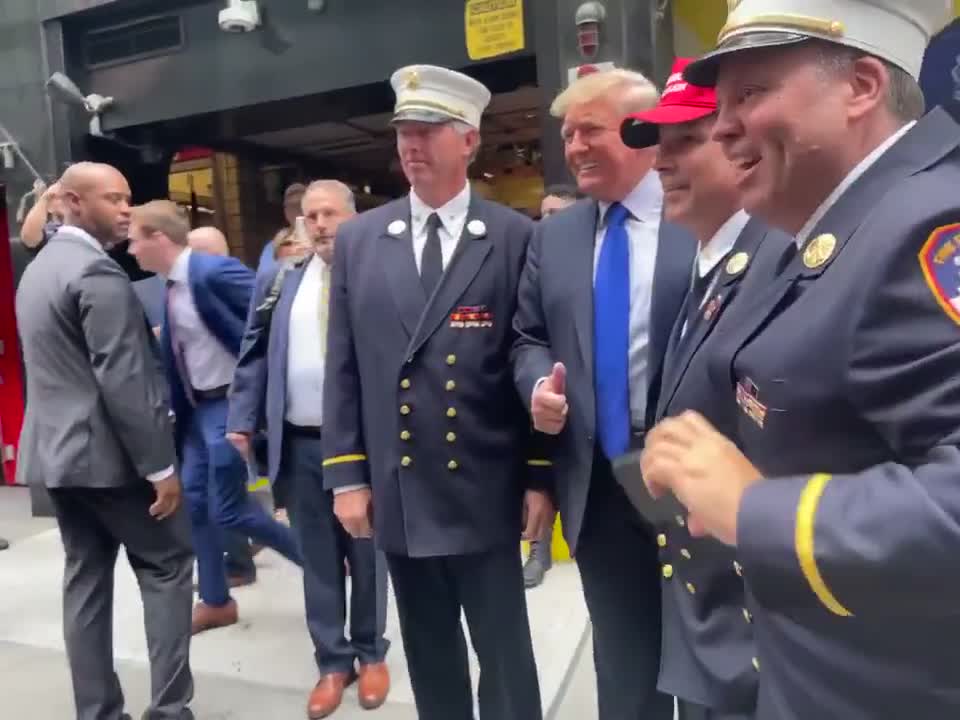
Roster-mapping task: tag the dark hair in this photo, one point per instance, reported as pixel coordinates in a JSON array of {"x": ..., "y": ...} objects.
[{"x": 565, "y": 192}]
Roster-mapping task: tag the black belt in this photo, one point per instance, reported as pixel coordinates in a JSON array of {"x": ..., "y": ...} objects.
[
  {"x": 217, "y": 393},
  {"x": 302, "y": 430}
]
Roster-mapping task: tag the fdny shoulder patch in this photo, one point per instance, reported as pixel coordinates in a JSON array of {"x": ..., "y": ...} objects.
[{"x": 940, "y": 262}]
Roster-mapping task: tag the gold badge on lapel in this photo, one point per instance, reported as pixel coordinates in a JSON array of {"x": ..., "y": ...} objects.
[
  {"x": 737, "y": 263},
  {"x": 819, "y": 250},
  {"x": 748, "y": 398}
]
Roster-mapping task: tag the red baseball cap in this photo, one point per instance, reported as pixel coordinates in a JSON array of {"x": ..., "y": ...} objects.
[{"x": 680, "y": 102}]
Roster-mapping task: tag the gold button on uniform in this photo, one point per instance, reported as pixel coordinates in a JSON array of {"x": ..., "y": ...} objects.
[
  {"x": 406, "y": 460},
  {"x": 685, "y": 553},
  {"x": 691, "y": 588},
  {"x": 451, "y": 412},
  {"x": 668, "y": 571},
  {"x": 451, "y": 386},
  {"x": 756, "y": 665},
  {"x": 662, "y": 540},
  {"x": 747, "y": 616},
  {"x": 405, "y": 383},
  {"x": 405, "y": 435},
  {"x": 404, "y": 409},
  {"x": 451, "y": 359},
  {"x": 451, "y": 437},
  {"x": 738, "y": 568},
  {"x": 452, "y": 465}
]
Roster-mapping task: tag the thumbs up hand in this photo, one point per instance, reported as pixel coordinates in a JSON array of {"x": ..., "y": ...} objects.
[{"x": 549, "y": 404}]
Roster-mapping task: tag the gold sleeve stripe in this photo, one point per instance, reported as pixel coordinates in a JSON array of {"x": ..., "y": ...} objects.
[
  {"x": 341, "y": 459},
  {"x": 539, "y": 463},
  {"x": 806, "y": 527}
]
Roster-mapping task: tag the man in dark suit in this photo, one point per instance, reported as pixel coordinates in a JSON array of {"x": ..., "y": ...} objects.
[
  {"x": 279, "y": 383},
  {"x": 208, "y": 298},
  {"x": 600, "y": 292},
  {"x": 423, "y": 428},
  {"x": 97, "y": 434},
  {"x": 838, "y": 490},
  {"x": 708, "y": 646}
]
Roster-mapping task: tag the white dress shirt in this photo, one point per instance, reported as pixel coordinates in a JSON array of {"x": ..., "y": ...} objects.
[
  {"x": 94, "y": 243},
  {"x": 208, "y": 364},
  {"x": 305, "y": 348},
  {"x": 849, "y": 180},
  {"x": 645, "y": 203},
  {"x": 453, "y": 215}
]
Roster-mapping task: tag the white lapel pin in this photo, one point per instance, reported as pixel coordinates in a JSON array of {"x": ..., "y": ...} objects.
[
  {"x": 396, "y": 228},
  {"x": 477, "y": 228}
]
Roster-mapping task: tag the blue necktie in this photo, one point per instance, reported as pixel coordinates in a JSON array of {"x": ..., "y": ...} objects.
[{"x": 611, "y": 335}]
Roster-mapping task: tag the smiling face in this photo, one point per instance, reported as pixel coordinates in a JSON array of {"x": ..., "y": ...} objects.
[
  {"x": 604, "y": 168},
  {"x": 784, "y": 122},
  {"x": 699, "y": 183}
]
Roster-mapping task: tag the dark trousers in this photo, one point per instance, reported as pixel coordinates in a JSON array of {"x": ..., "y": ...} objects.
[
  {"x": 93, "y": 524},
  {"x": 215, "y": 484},
  {"x": 430, "y": 593},
  {"x": 239, "y": 558},
  {"x": 690, "y": 711},
  {"x": 324, "y": 545},
  {"x": 620, "y": 571}
]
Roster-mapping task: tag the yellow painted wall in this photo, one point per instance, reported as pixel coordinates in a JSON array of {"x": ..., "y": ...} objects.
[{"x": 697, "y": 24}]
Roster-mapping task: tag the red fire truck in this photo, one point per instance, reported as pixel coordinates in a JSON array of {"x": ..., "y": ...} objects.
[{"x": 11, "y": 377}]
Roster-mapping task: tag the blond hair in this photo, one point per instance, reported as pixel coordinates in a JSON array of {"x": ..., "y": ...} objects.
[
  {"x": 162, "y": 216},
  {"x": 631, "y": 89}
]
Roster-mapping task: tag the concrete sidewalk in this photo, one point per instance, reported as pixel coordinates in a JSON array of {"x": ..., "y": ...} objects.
[{"x": 260, "y": 668}]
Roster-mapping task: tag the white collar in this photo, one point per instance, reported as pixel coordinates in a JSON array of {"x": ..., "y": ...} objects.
[
  {"x": 644, "y": 202},
  {"x": 453, "y": 211},
  {"x": 849, "y": 180},
  {"x": 721, "y": 243},
  {"x": 81, "y": 234},
  {"x": 180, "y": 271}
]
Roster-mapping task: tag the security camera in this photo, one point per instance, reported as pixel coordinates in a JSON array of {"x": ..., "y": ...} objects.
[{"x": 240, "y": 16}]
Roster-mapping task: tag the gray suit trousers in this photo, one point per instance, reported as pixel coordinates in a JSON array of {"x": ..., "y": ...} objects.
[{"x": 93, "y": 524}]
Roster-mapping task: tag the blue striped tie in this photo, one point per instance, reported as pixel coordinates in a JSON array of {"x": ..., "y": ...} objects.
[{"x": 611, "y": 335}]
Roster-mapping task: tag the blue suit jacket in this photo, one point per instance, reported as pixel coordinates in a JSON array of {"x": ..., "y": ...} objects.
[
  {"x": 258, "y": 397},
  {"x": 221, "y": 289},
  {"x": 554, "y": 323}
]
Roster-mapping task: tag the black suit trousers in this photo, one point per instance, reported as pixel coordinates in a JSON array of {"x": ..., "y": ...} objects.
[
  {"x": 488, "y": 587},
  {"x": 619, "y": 567}
]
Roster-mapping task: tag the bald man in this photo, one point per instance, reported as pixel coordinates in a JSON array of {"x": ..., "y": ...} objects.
[
  {"x": 208, "y": 240},
  {"x": 97, "y": 433}
]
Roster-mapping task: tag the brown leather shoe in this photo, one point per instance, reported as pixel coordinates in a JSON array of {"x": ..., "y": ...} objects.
[
  {"x": 374, "y": 685},
  {"x": 209, "y": 617},
  {"x": 327, "y": 695}
]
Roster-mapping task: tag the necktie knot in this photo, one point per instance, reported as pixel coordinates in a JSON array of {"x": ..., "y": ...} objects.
[
  {"x": 616, "y": 215},
  {"x": 434, "y": 222},
  {"x": 170, "y": 284}
]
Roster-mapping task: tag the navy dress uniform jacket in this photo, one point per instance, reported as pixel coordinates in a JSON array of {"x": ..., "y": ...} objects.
[
  {"x": 555, "y": 324},
  {"x": 418, "y": 396},
  {"x": 847, "y": 372},
  {"x": 707, "y": 642}
]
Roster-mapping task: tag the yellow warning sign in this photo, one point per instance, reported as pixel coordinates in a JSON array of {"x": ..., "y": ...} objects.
[{"x": 494, "y": 27}]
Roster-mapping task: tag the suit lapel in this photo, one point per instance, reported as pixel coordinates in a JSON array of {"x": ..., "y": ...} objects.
[
  {"x": 713, "y": 307},
  {"x": 400, "y": 268},
  {"x": 280, "y": 322},
  {"x": 468, "y": 258},
  {"x": 580, "y": 252},
  {"x": 676, "y": 250}
]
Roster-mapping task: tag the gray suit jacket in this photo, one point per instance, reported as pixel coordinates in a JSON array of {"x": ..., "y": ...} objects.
[{"x": 97, "y": 413}]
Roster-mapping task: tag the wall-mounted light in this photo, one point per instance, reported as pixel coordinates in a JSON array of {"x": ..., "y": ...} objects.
[
  {"x": 589, "y": 18},
  {"x": 63, "y": 89}
]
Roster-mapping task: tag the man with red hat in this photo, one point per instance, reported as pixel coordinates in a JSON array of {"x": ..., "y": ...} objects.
[{"x": 707, "y": 647}]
